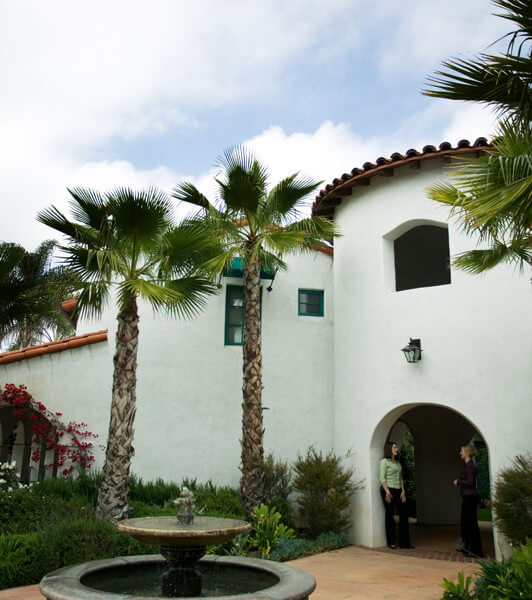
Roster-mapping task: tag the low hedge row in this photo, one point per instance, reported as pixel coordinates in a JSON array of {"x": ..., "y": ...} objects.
[{"x": 26, "y": 558}]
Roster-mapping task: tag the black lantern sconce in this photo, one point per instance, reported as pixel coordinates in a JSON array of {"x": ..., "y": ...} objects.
[{"x": 412, "y": 351}]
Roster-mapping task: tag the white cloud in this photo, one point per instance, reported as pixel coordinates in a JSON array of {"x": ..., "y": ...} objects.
[
  {"x": 421, "y": 34},
  {"x": 76, "y": 75},
  {"x": 80, "y": 73}
]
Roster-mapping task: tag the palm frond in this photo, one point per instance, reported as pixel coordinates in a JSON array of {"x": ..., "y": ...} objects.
[
  {"x": 243, "y": 181},
  {"x": 184, "y": 297},
  {"x": 520, "y": 13},
  {"x": 10, "y": 257},
  {"x": 188, "y": 192},
  {"x": 88, "y": 207},
  {"x": 55, "y": 219},
  {"x": 187, "y": 246},
  {"x": 502, "y": 82},
  {"x": 139, "y": 215},
  {"x": 478, "y": 261},
  {"x": 93, "y": 298},
  {"x": 285, "y": 199}
]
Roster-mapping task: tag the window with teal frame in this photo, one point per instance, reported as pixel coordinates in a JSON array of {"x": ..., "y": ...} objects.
[
  {"x": 310, "y": 303},
  {"x": 234, "y": 315}
]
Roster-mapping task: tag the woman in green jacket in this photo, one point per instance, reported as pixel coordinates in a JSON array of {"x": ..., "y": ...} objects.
[{"x": 393, "y": 494}]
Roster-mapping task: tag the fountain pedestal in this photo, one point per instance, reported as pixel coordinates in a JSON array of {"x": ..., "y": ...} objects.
[
  {"x": 182, "y": 545},
  {"x": 182, "y": 580}
]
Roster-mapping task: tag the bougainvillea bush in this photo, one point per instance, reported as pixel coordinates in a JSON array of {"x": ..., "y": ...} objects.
[{"x": 71, "y": 443}]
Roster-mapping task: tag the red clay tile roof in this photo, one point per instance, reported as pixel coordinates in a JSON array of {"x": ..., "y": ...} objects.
[
  {"x": 53, "y": 347},
  {"x": 325, "y": 249},
  {"x": 332, "y": 195},
  {"x": 69, "y": 305}
]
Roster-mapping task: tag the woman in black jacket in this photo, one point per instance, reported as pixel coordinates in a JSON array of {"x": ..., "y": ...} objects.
[{"x": 467, "y": 481}]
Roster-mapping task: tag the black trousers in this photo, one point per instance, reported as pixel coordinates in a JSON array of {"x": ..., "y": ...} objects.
[
  {"x": 469, "y": 526},
  {"x": 402, "y": 509}
]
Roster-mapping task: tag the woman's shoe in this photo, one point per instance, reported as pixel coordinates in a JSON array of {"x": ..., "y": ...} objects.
[{"x": 392, "y": 546}]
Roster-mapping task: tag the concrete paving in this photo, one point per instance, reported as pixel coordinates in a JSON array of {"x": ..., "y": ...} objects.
[{"x": 354, "y": 573}]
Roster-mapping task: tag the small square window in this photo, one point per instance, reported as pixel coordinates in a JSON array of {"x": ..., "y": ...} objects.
[{"x": 310, "y": 303}]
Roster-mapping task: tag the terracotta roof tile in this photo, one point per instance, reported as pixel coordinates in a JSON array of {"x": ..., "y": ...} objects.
[
  {"x": 53, "y": 347},
  {"x": 384, "y": 166}
]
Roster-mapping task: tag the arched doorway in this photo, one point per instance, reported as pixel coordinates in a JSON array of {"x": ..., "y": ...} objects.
[
  {"x": 16, "y": 445},
  {"x": 437, "y": 434}
]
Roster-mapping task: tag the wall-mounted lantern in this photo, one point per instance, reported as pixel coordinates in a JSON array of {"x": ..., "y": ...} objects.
[{"x": 412, "y": 351}]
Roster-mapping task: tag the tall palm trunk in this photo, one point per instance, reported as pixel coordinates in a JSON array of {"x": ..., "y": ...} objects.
[
  {"x": 252, "y": 480},
  {"x": 114, "y": 489}
]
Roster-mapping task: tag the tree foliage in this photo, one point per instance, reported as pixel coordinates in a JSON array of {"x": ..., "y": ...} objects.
[
  {"x": 492, "y": 195},
  {"x": 513, "y": 500},
  {"x": 259, "y": 225},
  {"x": 31, "y": 292},
  {"x": 125, "y": 245}
]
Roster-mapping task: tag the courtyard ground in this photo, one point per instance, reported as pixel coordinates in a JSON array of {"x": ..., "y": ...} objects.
[{"x": 355, "y": 573}]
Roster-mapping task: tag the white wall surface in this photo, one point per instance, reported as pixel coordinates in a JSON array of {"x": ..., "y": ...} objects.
[
  {"x": 188, "y": 421},
  {"x": 476, "y": 335}
]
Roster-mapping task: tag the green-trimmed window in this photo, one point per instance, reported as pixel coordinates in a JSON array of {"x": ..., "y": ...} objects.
[
  {"x": 310, "y": 303},
  {"x": 234, "y": 315}
]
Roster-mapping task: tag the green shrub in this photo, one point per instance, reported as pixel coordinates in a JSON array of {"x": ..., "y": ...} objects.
[
  {"x": 507, "y": 580},
  {"x": 492, "y": 573},
  {"x": 277, "y": 478},
  {"x": 26, "y": 510},
  {"x": 26, "y": 558},
  {"x": 290, "y": 549},
  {"x": 462, "y": 590},
  {"x": 268, "y": 529},
  {"x": 325, "y": 488},
  {"x": 513, "y": 500},
  {"x": 221, "y": 502},
  {"x": 409, "y": 465},
  {"x": 157, "y": 492},
  {"x": 284, "y": 507},
  {"x": 85, "y": 485}
]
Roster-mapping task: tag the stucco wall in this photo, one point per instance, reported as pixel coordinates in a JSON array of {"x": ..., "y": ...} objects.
[
  {"x": 475, "y": 334},
  {"x": 188, "y": 419}
]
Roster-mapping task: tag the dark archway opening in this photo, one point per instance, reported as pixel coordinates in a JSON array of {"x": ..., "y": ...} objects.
[
  {"x": 16, "y": 445},
  {"x": 430, "y": 438}
]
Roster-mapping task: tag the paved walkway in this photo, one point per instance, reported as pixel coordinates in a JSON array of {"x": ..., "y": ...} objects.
[{"x": 353, "y": 573}]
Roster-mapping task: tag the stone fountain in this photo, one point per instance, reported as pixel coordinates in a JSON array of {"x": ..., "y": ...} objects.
[{"x": 183, "y": 570}]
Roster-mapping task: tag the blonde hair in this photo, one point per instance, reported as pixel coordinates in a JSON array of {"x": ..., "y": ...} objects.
[{"x": 470, "y": 449}]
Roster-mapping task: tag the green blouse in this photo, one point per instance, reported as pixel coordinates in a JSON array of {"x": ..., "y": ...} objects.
[{"x": 391, "y": 473}]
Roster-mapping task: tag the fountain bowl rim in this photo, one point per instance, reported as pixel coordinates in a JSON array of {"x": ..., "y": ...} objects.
[
  {"x": 206, "y": 530},
  {"x": 65, "y": 583}
]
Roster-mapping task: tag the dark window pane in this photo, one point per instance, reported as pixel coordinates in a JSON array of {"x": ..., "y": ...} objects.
[{"x": 422, "y": 258}]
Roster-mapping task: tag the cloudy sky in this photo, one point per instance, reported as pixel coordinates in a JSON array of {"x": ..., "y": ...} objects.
[{"x": 142, "y": 92}]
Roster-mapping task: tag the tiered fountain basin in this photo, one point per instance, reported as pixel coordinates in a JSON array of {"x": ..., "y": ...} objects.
[{"x": 182, "y": 570}]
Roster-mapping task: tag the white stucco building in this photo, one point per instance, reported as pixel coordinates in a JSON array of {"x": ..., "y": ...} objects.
[{"x": 336, "y": 377}]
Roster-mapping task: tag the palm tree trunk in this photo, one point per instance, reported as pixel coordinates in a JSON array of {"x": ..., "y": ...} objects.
[
  {"x": 114, "y": 490},
  {"x": 252, "y": 480}
]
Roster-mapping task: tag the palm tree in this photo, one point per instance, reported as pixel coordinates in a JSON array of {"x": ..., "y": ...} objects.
[
  {"x": 31, "y": 292},
  {"x": 492, "y": 195},
  {"x": 503, "y": 82},
  {"x": 125, "y": 242},
  {"x": 259, "y": 227}
]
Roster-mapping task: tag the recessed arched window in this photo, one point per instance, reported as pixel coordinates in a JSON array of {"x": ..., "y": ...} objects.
[{"x": 421, "y": 257}]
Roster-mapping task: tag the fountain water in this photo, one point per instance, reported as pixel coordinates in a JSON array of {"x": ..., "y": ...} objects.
[{"x": 184, "y": 571}]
